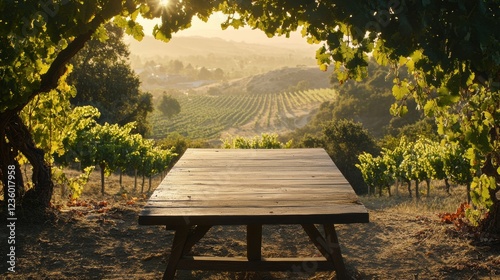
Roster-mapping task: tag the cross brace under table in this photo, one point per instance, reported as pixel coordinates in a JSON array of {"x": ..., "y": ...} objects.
[{"x": 186, "y": 237}]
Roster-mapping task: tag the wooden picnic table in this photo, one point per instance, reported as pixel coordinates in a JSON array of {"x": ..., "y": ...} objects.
[{"x": 209, "y": 187}]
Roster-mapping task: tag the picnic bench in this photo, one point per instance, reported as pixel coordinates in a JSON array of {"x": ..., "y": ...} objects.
[{"x": 209, "y": 187}]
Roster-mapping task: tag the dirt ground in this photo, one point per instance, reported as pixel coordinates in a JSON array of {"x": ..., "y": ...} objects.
[{"x": 99, "y": 238}]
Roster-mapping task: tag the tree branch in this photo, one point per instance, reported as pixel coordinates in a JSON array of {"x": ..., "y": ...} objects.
[{"x": 50, "y": 79}]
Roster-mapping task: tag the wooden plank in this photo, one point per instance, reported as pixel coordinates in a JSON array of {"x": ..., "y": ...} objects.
[
  {"x": 184, "y": 189},
  {"x": 247, "y": 159},
  {"x": 245, "y": 183},
  {"x": 256, "y": 153},
  {"x": 265, "y": 196},
  {"x": 222, "y": 158},
  {"x": 267, "y": 171},
  {"x": 305, "y": 264},
  {"x": 241, "y": 179},
  {"x": 312, "y": 152},
  {"x": 192, "y": 198},
  {"x": 210, "y": 193},
  {"x": 239, "y": 165},
  {"x": 255, "y": 176},
  {"x": 251, "y": 200},
  {"x": 197, "y": 217},
  {"x": 238, "y": 204},
  {"x": 254, "y": 163},
  {"x": 227, "y": 199},
  {"x": 253, "y": 211},
  {"x": 250, "y": 185},
  {"x": 278, "y": 188},
  {"x": 222, "y": 186},
  {"x": 174, "y": 221},
  {"x": 262, "y": 174},
  {"x": 256, "y": 195}
]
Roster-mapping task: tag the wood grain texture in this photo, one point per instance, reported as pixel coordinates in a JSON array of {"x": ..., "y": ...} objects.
[{"x": 221, "y": 187}]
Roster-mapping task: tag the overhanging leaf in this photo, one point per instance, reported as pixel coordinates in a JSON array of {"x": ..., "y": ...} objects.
[{"x": 399, "y": 92}]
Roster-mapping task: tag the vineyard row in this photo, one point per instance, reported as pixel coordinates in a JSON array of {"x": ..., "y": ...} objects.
[{"x": 206, "y": 116}]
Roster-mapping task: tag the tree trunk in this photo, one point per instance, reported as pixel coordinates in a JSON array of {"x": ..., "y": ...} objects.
[
  {"x": 417, "y": 194},
  {"x": 492, "y": 222},
  {"x": 428, "y": 181},
  {"x": 142, "y": 185},
  {"x": 396, "y": 185},
  {"x": 469, "y": 199},
  {"x": 102, "y": 166},
  {"x": 121, "y": 179},
  {"x": 135, "y": 180},
  {"x": 12, "y": 179},
  {"x": 447, "y": 183},
  {"x": 409, "y": 187},
  {"x": 150, "y": 183},
  {"x": 15, "y": 137},
  {"x": 389, "y": 190},
  {"x": 64, "y": 190}
]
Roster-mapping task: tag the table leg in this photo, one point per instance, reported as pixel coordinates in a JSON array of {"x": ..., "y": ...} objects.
[
  {"x": 254, "y": 242},
  {"x": 334, "y": 250},
  {"x": 328, "y": 245},
  {"x": 181, "y": 235},
  {"x": 194, "y": 236}
]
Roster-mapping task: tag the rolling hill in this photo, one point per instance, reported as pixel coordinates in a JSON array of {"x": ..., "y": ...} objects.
[
  {"x": 277, "y": 101},
  {"x": 185, "y": 46},
  {"x": 235, "y": 59},
  {"x": 285, "y": 79},
  {"x": 256, "y": 79}
]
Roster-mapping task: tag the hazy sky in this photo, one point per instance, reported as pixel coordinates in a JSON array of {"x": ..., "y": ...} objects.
[{"x": 212, "y": 29}]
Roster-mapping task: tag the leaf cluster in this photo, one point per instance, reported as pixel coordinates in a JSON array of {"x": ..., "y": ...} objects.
[
  {"x": 264, "y": 141},
  {"x": 37, "y": 39},
  {"x": 422, "y": 160},
  {"x": 114, "y": 147}
]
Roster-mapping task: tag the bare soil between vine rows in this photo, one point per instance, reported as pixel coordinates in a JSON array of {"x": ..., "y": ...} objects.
[{"x": 99, "y": 238}]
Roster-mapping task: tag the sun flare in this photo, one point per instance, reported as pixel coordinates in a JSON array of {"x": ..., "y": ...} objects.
[{"x": 164, "y": 3}]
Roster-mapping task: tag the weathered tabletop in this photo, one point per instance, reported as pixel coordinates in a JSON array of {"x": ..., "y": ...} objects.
[{"x": 252, "y": 187}]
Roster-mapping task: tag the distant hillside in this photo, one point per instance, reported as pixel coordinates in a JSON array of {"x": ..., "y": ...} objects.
[
  {"x": 286, "y": 79},
  {"x": 280, "y": 100},
  {"x": 367, "y": 102},
  {"x": 235, "y": 59},
  {"x": 210, "y": 117},
  {"x": 180, "y": 47},
  {"x": 262, "y": 89}
]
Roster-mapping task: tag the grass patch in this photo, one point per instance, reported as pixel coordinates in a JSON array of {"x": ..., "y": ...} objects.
[{"x": 437, "y": 202}]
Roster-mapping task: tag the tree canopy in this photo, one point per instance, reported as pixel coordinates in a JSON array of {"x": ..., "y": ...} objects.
[
  {"x": 104, "y": 79},
  {"x": 169, "y": 106},
  {"x": 451, "y": 50}
]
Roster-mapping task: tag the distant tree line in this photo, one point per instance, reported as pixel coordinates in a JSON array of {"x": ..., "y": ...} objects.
[{"x": 161, "y": 72}]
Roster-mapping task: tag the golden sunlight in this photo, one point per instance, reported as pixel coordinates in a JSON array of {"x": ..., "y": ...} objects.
[{"x": 164, "y": 3}]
